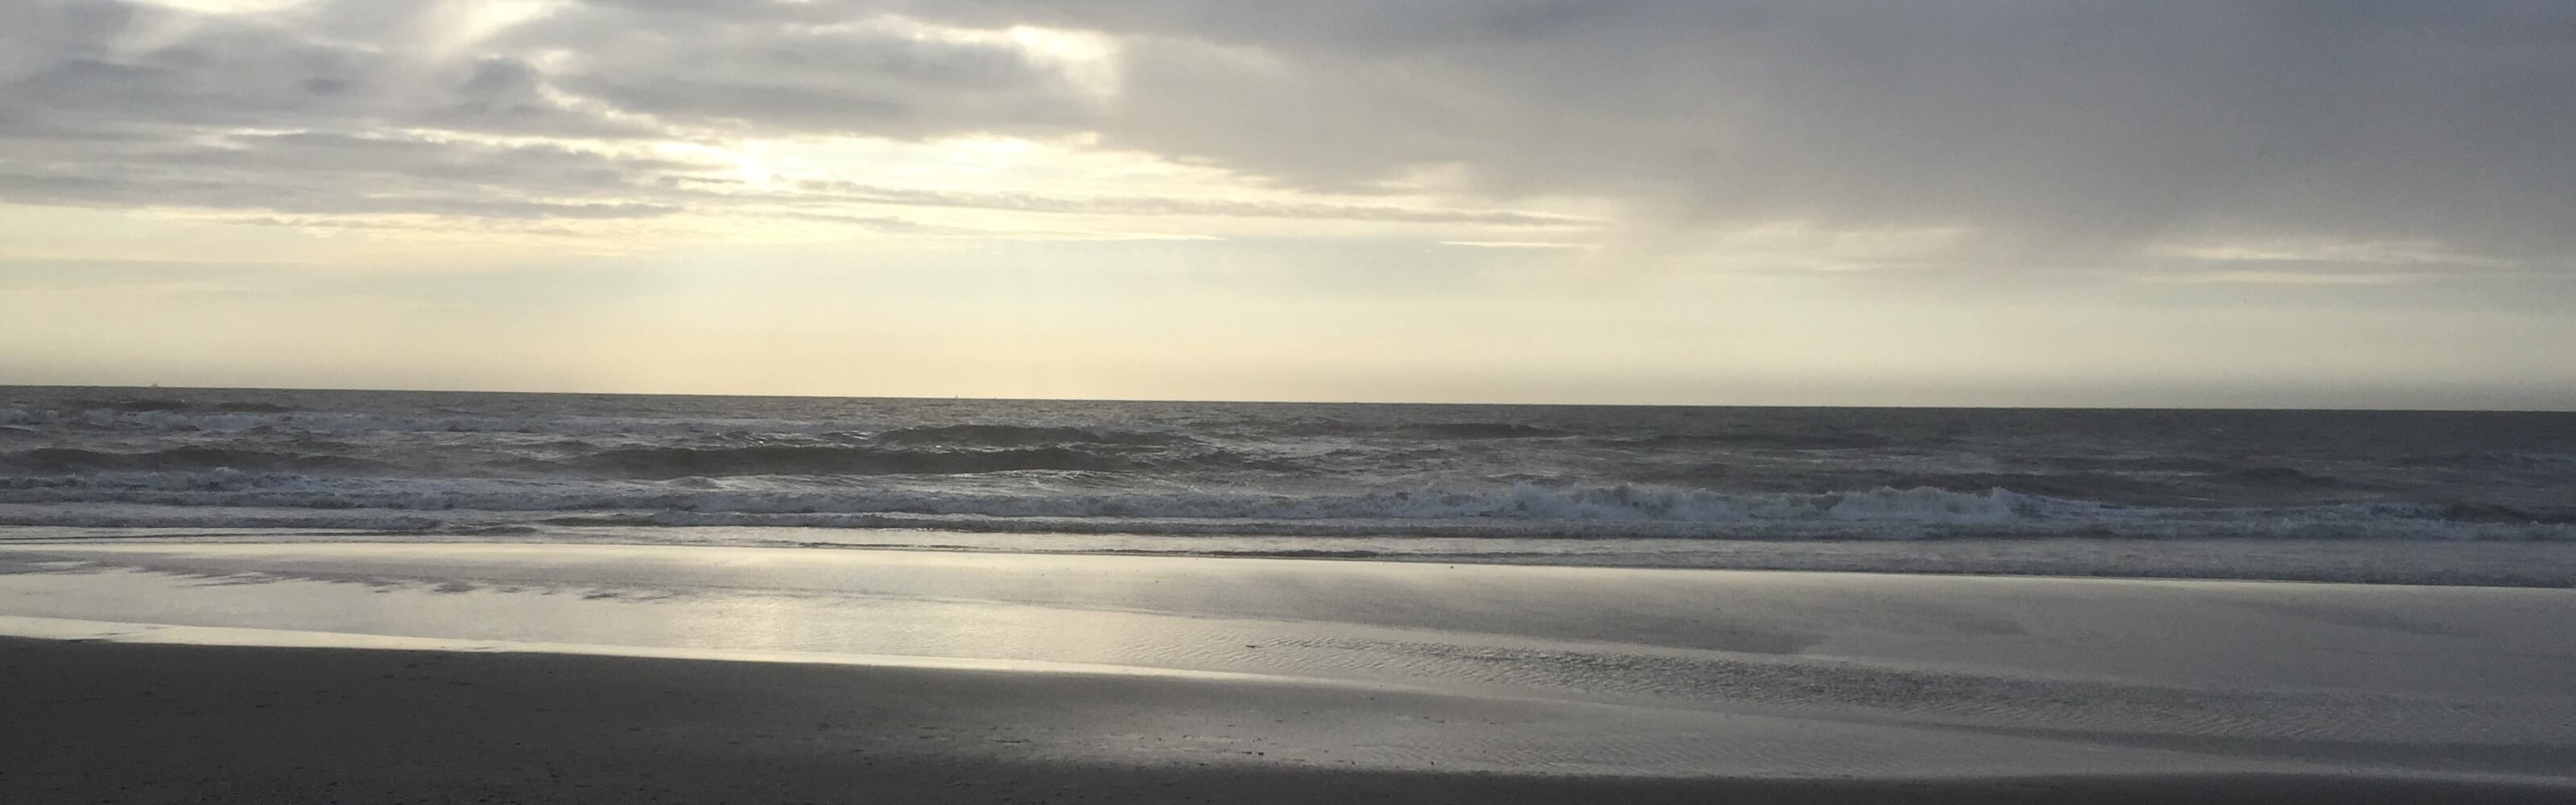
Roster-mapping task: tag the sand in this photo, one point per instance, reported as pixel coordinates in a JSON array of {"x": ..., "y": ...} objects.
[
  {"x": 105, "y": 722},
  {"x": 615, "y": 674}
]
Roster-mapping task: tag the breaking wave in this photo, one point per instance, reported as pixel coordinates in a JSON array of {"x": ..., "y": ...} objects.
[
  {"x": 423, "y": 464},
  {"x": 680, "y": 462},
  {"x": 1625, "y": 510}
]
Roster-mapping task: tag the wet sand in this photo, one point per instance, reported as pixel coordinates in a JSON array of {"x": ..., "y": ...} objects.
[
  {"x": 118, "y": 722},
  {"x": 616, "y": 673}
]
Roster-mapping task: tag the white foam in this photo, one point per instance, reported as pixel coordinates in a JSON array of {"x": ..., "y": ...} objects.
[{"x": 229, "y": 498}]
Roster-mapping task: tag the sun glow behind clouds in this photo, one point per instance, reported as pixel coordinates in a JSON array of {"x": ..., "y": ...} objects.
[
  {"x": 1087, "y": 60},
  {"x": 467, "y": 23},
  {"x": 1404, "y": 201},
  {"x": 696, "y": 181}
]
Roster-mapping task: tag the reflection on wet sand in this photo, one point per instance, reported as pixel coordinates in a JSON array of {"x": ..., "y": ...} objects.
[{"x": 1986, "y": 675}]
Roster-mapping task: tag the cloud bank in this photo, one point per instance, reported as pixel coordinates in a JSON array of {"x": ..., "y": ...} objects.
[{"x": 2067, "y": 129}]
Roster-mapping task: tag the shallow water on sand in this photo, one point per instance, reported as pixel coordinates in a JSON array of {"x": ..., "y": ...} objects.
[{"x": 2169, "y": 674}]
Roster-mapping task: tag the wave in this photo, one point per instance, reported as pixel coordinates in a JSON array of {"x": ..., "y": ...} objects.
[
  {"x": 729, "y": 456},
  {"x": 153, "y": 404},
  {"x": 681, "y": 462},
  {"x": 1024, "y": 436},
  {"x": 69, "y": 460},
  {"x": 2287, "y": 477},
  {"x": 156, "y": 419},
  {"x": 2498, "y": 513},
  {"x": 1811, "y": 440},
  {"x": 2505, "y": 461},
  {"x": 1482, "y": 430},
  {"x": 1420, "y": 430},
  {"x": 1519, "y": 510},
  {"x": 181, "y": 417}
]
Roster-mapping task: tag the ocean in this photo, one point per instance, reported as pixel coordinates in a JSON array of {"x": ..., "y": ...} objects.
[{"x": 2371, "y": 496}]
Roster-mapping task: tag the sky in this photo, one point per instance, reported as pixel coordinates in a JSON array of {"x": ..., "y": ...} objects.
[{"x": 1775, "y": 202}]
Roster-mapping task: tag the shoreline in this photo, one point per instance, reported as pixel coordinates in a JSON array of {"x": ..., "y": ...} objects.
[
  {"x": 2513, "y": 564},
  {"x": 174, "y": 723}
]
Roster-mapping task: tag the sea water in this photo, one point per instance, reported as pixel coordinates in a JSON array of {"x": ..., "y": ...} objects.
[{"x": 2402, "y": 496}]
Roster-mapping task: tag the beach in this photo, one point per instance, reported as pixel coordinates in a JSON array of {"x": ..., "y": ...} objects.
[
  {"x": 453, "y": 672},
  {"x": 854, "y": 401},
  {"x": 161, "y": 723}
]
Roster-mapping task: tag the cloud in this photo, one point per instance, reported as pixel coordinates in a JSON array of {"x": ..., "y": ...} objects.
[
  {"x": 100, "y": 67},
  {"x": 2065, "y": 130},
  {"x": 2085, "y": 125},
  {"x": 2329, "y": 277},
  {"x": 766, "y": 68},
  {"x": 331, "y": 173},
  {"x": 368, "y": 107},
  {"x": 1149, "y": 205}
]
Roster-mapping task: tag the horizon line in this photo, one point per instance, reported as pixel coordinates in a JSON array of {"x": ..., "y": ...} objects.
[{"x": 1219, "y": 401}]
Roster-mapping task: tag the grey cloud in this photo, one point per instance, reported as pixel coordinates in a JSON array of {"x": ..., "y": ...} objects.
[
  {"x": 143, "y": 191},
  {"x": 327, "y": 173},
  {"x": 322, "y": 108},
  {"x": 792, "y": 72},
  {"x": 118, "y": 69},
  {"x": 220, "y": 73},
  {"x": 103, "y": 121},
  {"x": 2072, "y": 129},
  {"x": 115, "y": 104},
  {"x": 2084, "y": 125}
]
